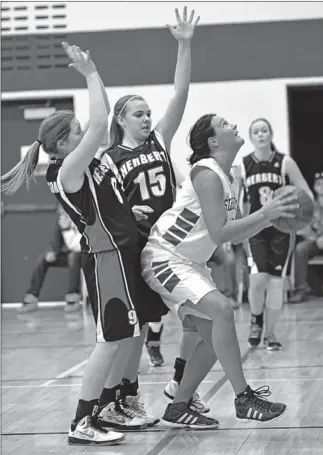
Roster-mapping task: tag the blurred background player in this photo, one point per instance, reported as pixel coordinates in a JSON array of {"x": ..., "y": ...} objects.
[
  {"x": 64, "y": 251},
  {"x": 310, "y": 244},
  {"x": 262, "y": 172}
]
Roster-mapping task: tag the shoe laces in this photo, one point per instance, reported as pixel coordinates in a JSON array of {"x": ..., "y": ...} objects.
[
  {"x": 125, "y": 410},
  {"x": 258, "y": 399},
  {"x": 271, "y": 338},
  {"x": 94, "y": 422},
  {"x": 137, "y": 406},
  {"x": 118, "y": 414}
]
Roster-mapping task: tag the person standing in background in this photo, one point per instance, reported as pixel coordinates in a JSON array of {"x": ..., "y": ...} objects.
[
  {"x": 262, "y": 172},
  {"x": 64, "y": 251}
]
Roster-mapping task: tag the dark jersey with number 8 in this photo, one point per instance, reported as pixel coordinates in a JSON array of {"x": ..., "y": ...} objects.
[
  {"x": 148, "y": 178},
  {"x": 261, "y": 178}
]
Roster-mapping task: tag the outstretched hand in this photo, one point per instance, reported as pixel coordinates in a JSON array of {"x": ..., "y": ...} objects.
[
  {"x": 81, "y": 61},
  {"x": 184, "y": 30}
]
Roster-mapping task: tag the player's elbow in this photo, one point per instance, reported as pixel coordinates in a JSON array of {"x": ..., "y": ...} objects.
[{"x": 216, "y": 236}]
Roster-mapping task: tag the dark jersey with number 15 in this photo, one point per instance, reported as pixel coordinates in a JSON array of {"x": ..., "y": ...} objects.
[
  {"x": 148, "y": 178},
  {"x": 260, "y": 178}
]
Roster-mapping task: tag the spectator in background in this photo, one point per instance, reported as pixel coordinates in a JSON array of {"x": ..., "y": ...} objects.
[
  {"x": 64, "y": 251},
  {"x": 311, "y": 244}
]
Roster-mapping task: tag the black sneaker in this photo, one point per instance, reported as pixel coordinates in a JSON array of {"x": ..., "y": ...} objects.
[
  {"x": 180, "y": 415},
  {"x": 271, "y": 343},
  {"x": 155, "y": 357},
  {"x": 251, "y": 405},
  {"x": 255, "y": 335}
]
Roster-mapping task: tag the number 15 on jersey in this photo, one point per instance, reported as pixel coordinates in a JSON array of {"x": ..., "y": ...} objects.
[{"x": 151, "y": 183}]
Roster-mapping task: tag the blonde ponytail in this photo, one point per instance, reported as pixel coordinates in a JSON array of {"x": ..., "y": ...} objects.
[{"x": 22, "y": 172}]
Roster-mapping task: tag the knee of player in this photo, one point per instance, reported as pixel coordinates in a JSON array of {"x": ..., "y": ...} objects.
[
  {"x": 223, "y": 308},
  {"x": 258, "y": 282}
]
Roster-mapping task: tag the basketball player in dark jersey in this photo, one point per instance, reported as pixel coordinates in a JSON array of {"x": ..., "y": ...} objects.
[
  {"x": 262, "y": 172},
  {"x": 142, "y": 157},
  {"x": 89, "y": 192}
]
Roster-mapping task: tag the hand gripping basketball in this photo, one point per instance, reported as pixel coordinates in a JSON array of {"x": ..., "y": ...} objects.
[{"x": 303, "y": 213}]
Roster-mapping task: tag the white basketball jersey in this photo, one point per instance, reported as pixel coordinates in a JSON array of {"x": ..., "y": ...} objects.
[{"x": 182, "y": 229}]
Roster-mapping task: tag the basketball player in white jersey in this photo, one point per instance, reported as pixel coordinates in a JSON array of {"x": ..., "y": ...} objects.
[{"x": 174, "y": 264}]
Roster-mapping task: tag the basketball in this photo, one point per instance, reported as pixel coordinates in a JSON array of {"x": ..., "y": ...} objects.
[{"x": 303, "y": 214}]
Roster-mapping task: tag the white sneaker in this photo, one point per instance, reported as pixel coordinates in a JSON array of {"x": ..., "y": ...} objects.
[
  {"x": 115, "y": 415},
  {"x": 72, "y": 307},
  {"x": 86, "y": 433},
  {"x": 29, "y": 304},
  {"x": 138, "y": 408},
  {"x": 197, "y": 404}
]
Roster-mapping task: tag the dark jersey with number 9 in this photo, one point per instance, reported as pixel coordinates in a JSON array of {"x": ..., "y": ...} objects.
[{"x": 148, "y": 178}]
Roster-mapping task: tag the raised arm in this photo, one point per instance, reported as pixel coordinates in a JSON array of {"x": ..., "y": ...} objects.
[
  {"x": 107, "y": 105},
  {"x": 209, "y": 188},
  {"x": 183, "y": 32},
  {"x": 77, "y": 162}
]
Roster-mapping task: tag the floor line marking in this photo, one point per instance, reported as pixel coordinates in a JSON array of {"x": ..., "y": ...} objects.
[{"x": 65, "y": 373}]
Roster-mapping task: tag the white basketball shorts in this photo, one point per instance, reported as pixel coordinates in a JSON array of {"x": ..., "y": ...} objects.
[{"x": 180, "y": 282}]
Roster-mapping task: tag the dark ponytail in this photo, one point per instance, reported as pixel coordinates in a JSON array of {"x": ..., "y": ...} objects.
[{"x": 198, "y": 137}]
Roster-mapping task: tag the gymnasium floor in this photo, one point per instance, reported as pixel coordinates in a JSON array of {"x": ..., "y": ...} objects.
[{"x": 43, "y": 356}]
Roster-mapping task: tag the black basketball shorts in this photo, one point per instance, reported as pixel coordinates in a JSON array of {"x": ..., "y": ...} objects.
[
  {"x": 271, "y": 251},
  {"x": 114, "y": 292}
]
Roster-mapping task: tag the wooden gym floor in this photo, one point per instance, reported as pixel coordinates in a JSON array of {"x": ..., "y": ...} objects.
[{"x": 43, "y": 356}]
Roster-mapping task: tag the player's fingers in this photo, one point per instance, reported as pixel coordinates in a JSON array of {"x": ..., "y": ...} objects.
[
  {"x": 286, "y": 214},
  {"x": 145, "y": 209},
  {"x": 288, "y": 193},
  {"x": 185, "y": 14},
  {"x": 178, "y": 17},
  {"x": 197, "y": 21},
  {"x": 290, "y": 200},
  {"x": 290, "y": 207}
]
